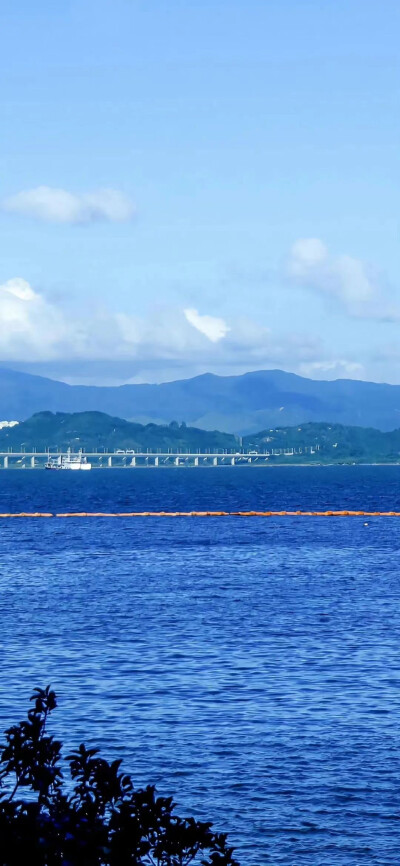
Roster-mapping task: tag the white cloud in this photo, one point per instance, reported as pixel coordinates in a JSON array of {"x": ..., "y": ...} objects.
[
  {"x": 34, "y": 330},
  {"x": 18, "y": 288},
  {"x": 347, "y": 279},
  {"x": 60, "y": 206},
  {"x": 307, "y": 254},
  {"x": 49, "y": 338},
  {"x": 214, "y": 329},
  {"x": 28, "y": 324}
]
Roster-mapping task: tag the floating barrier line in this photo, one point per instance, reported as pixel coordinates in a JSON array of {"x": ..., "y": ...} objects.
[{"x": 204, "y": 514}]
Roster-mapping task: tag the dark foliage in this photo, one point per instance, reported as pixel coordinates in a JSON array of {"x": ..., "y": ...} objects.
[
  {"x": 91, "y": 430},
  {"x": 98, "y": 818},
  {"x": 328, "y": 443}
]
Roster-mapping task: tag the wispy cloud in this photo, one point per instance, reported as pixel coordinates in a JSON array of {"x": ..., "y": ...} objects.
[
  {"x": 50, "y": 204},
  {"x": 214, "y": 329},
  {"x": 348, "y": 280},
  {"x": 332, "y": 368}
]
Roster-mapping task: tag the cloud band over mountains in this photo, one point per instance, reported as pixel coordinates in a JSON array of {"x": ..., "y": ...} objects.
[
  {"x": 32, "y": 327},
  {"x": 35, "y": 329}
]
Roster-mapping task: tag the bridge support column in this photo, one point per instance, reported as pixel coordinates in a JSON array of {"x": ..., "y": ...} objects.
[
  {"x": 109, "y": 462},
  {"x": 6, "y": 462},
  {"x": 233, "y": 461},
  {"x": 176, "y": 461},
  {"x": 156, "y": 461},
  {"x": 33, "y": 461},
  {"x": 215, "y": 461},
  {"x": 133, "y": 461},
  {"x": 196, "y": 461}
]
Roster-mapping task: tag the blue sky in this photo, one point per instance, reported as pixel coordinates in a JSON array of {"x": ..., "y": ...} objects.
[{"x": 203, "y": 185}]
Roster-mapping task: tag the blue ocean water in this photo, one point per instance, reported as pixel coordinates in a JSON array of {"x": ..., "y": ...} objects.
[{"x": 250, "y": 667}]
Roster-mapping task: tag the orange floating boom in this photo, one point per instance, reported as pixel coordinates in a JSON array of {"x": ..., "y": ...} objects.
[
  {"x": 203, "y": 514},
  {"x": 329, "y": 513}
]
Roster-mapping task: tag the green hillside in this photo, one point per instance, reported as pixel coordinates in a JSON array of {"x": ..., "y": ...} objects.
[
  {"x": 91, "y": 430},
  {"x": 306, "y": 443},
  {"x": 327, "y": 443}
]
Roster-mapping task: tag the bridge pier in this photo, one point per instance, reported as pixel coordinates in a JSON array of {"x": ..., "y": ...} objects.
[
  {"x": 33, "y": 461},
  {"x": 156, "y": 461},
  {"x": 6, "y": 462},
  {"x": 215, "y": 461},
  {"x": 196, "y": 461},
  {"x": 133, "y": 461},
  {"x": 176, "y": 461},
  {"x": 109, "y": 461}
]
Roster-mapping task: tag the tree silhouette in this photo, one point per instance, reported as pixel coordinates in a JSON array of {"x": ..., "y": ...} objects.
[{"x": 97, "y": 818}]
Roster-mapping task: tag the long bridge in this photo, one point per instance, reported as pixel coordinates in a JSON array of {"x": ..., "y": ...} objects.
[{"x": 128, "y": 459}]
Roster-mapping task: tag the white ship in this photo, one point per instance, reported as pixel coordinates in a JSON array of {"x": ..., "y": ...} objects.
[{"x": 70, "y": 461}]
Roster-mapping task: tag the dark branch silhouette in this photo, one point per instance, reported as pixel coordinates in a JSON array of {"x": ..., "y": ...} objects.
[{"x": 98, "y": 818}]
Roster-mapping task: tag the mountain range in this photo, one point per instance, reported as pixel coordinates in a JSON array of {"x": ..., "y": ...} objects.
[{"x": 236, "y": 404}]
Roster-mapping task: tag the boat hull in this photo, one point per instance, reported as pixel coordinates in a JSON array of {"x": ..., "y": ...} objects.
[
  {"x": 77, "y": 466},
  {"x": 71, "y": 461}
]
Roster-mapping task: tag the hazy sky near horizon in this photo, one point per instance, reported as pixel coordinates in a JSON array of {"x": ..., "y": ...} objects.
[{"x": 194, "y": 185}]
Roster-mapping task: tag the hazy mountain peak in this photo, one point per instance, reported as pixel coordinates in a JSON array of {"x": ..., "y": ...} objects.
[{"x": 239, "y": 404}]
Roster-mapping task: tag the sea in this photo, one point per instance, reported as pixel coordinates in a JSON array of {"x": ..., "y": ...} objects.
[{"x": 249, "y": 667}]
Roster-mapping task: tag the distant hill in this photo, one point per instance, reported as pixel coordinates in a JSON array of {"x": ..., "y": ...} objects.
[
  {"x": 306, "y": 443},
  {"x": 238, "y": 404},
  {"x": 90, "y": 430},
  {"x": 326, "y": 443}
]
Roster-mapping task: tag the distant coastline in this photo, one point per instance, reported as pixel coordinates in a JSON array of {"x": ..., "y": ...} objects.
[{"x": 115, "y": 442}]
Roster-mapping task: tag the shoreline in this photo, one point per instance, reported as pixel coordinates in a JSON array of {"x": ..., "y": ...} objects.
[{"x": 171, "y": 467}]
